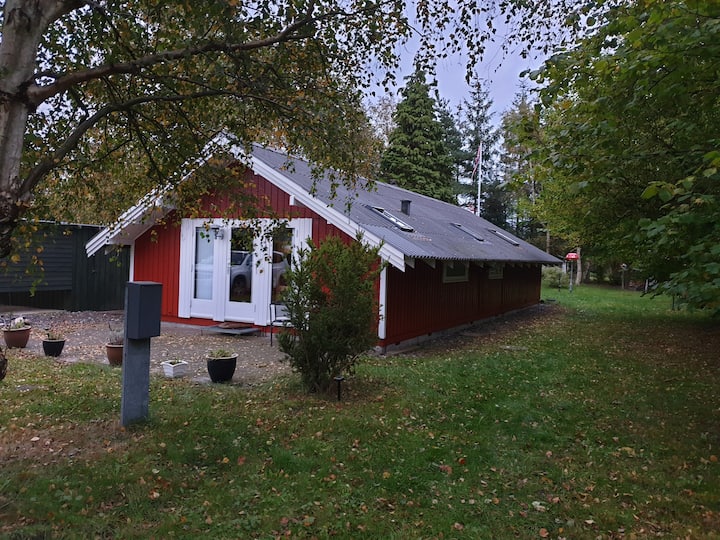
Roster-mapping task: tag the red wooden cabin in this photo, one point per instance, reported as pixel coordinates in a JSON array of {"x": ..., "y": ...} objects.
[{"x": 447, "y": 268}]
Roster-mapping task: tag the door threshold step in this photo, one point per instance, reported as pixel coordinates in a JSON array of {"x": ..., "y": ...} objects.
[{"x": 234, "y": 329}]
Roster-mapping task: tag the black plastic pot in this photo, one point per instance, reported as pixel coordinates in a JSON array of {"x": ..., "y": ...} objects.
[
  {"x": 222, "y": 369},
  {"x": 53, "y": 347}
]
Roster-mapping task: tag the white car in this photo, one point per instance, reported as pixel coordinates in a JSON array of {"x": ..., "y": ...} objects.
[{"x": 241, "y": 270}]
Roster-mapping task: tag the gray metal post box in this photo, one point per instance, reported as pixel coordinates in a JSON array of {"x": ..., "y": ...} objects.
[{"x": 143, "y": 306}]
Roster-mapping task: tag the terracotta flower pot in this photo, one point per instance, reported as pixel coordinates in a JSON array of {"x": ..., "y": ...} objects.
[
  {"x": 53, "y": 347},
  {"x": 17, "y": 338},
  {"x": 114, "y": 354},
  {"x": 222, "y": 369}
]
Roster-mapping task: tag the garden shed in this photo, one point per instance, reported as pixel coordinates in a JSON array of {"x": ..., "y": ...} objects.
[
  {"x": 51, "y": 271},
  {"x": 446, "y": 268}
]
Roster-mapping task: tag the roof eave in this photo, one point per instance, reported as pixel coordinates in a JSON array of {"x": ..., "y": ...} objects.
[{"x": 387, "y": 252}]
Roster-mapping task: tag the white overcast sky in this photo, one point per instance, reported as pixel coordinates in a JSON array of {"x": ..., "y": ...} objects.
[
  {"x": 500, "y": 71},
  {"x": 501, "y": 76}
]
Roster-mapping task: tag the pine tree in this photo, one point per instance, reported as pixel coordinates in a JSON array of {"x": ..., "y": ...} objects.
[{"x": 417, "y": 157}]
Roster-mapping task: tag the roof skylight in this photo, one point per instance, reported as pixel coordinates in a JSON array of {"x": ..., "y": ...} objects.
[
  {"x": 469, "y": 232},
  {"x": 399, "y": 223},
  {"x": 504, "y": 237}
]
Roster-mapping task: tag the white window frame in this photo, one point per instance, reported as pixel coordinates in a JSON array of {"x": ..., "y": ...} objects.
[{"x": 495, "y": 271}]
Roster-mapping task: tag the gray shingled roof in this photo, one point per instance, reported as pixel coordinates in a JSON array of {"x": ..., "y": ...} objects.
[{"x": 439, "y": 230}]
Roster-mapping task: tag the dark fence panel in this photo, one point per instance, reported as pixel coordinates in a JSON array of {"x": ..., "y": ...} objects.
[{"x": 65, "y": 278}]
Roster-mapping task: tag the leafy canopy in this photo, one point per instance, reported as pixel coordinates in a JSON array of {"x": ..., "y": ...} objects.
[
  {"x": 101, "y": 101},
  {"x": 632, "y": 143}
]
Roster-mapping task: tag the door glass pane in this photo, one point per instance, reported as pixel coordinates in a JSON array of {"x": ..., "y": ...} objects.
[
  {"x": 281, "y": 257},
  {"x": 203, "y": 278},
  {"x": 241, "y": 265}
]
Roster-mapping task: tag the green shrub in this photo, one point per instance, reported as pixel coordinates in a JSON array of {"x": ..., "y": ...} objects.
[
  {"x": 553, "y": 276},
  {"x": 332, "y": 306}
]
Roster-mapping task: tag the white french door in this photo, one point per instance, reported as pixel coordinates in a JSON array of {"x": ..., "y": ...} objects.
[{"x": 232, "y": 272}]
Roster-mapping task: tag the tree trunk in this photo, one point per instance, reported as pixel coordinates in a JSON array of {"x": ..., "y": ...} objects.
[
  {"x": 579, "y": 274},
  {"x": 547, "y": 239},
  {"x": 25, "y": 22}
]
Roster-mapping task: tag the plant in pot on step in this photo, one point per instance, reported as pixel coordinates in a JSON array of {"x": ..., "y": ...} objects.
[
  {"x": 221, "y": 365},
  {"x": 53, "y": 343},
  {"x": 174, "y": 368},
  {"x": 114, "y": 347},
  {"x": 17, "y": 333}
]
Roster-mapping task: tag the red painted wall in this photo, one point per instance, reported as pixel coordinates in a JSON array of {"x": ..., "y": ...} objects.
[
  {"x": 157, "y": 258},
  {"x": 419, "y": 303},
  {"x": 157, "y": 252}
]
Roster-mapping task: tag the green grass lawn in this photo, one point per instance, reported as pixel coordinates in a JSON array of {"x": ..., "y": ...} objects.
[{"x": 597, "y": 416}]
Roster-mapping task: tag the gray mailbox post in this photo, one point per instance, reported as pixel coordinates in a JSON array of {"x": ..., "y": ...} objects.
[{"x": 143, "y": 301}]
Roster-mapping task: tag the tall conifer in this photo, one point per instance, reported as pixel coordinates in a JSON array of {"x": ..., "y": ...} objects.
[{"x": 417, "y": 157}]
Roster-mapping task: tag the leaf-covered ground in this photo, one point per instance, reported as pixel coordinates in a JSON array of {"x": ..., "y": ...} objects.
[{"x": 595, "y": 416}]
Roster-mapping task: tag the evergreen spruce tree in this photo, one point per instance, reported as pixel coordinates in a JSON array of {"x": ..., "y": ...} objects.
[
  {"x": 454, "y": 143},
  {"x": 478, "y": 131},
  {"x": 522, "y": 135},
  {"x": 417, "y": 157}
]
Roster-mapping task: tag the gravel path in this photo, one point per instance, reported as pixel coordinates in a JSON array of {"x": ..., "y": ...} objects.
[{"x": 86, "y": 333}]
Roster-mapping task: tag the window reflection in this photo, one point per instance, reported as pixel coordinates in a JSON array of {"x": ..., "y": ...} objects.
[
  {"x": 204, "y": 253},
  {"x": 241, "y": 264},
  {"x": 281, "y": 258}
]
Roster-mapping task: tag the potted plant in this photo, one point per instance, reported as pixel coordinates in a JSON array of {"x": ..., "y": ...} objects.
[
  {"x": 53, "y": 343},
  {"x": 17, "y": 333},
  {"x": 221, "y": 365},
  {"x": 114, "y": 347},
  {"x": 174, "y": 368}
]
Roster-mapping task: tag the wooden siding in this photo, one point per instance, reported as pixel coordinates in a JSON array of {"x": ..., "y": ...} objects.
[
  {"x": 157, "y": 252},
  {"x": 265, "y": 198},
  {"x": 419, "y": 303},
  {"x": 70, "y": 280},
  {"x": 157, "y": 258}
]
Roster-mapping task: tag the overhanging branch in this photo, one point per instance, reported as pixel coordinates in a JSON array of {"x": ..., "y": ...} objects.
[
  {"x": 48, "y": 164},
  {"x": 37, "y": 94}
]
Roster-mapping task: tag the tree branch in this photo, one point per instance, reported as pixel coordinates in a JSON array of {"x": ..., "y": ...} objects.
[
  {"x": 48, "y": 164},
  {"x": 37, "y": 94}
]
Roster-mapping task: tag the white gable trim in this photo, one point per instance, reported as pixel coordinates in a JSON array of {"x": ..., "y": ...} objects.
[
  {"x": 338, "y": 219},
  {"x": 138, "y": 219}
]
